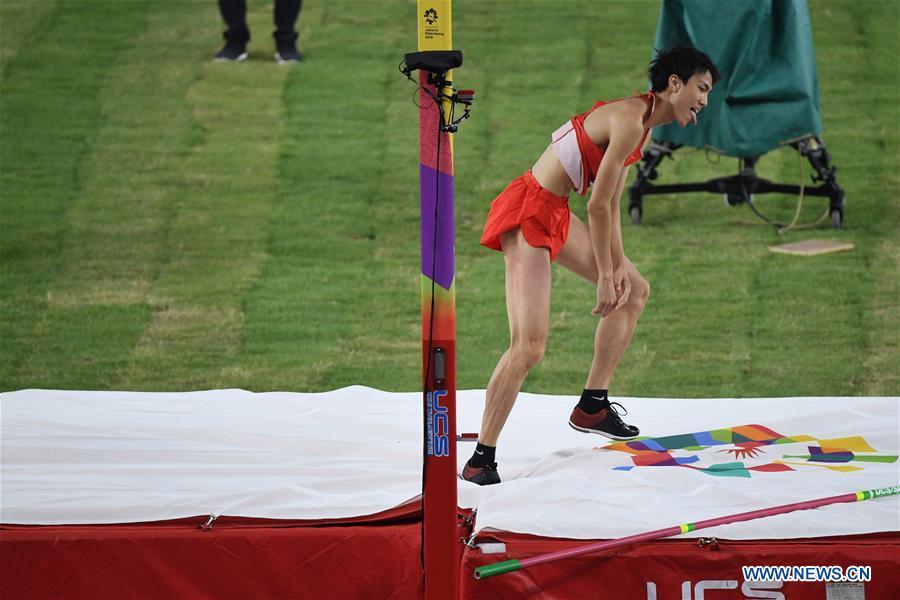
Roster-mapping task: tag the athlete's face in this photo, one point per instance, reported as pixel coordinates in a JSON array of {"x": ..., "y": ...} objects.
[{"x": 689, "y": 98}]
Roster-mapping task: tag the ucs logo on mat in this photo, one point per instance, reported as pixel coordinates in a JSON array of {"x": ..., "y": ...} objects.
[
  {"x": 749, "y": 589},
  {"x": 743, "y": 450},
  {"x": 437, "y": 425}
]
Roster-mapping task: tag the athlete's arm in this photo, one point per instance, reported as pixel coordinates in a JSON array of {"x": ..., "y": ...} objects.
[
  {"x": 621, "y": 264},
  {"x": 616, "y": 248},
  {"x": 624, "y": 135}
]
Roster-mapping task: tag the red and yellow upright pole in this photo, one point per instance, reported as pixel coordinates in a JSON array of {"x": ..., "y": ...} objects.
[{"x": 438, "y": 321}]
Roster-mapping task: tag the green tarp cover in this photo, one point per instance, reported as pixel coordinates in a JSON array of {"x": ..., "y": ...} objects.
[{"x": 769, "y": 92}]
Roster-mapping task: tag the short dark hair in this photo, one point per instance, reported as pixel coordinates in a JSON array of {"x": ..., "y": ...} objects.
[{"x": 682, "y": 60}]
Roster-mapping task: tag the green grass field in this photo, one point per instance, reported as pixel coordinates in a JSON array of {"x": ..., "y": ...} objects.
[{"x": 173, "y": 224}]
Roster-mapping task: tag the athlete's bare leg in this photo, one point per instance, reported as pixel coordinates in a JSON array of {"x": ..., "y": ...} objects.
[
  {"x": 615, "y": 330},
  {"x": 528, "y": 308}
]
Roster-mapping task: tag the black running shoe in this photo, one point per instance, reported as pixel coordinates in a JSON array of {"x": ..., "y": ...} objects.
[
  {"x": 288, "y": 54},
  {"x": 231, "y": 52},
  {"x": 486, "y": 475},
  {"x": 606, "y": 422}
]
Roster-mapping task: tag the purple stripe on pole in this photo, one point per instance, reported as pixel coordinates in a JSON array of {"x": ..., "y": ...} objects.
[{"x": 444, "y": 265}]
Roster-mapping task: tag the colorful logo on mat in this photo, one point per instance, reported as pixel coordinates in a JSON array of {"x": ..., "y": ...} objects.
[{"x": 741, "y": 451}]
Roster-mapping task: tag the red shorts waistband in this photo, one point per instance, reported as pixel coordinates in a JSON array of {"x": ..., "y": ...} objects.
[{"x": 545, "y": 193}]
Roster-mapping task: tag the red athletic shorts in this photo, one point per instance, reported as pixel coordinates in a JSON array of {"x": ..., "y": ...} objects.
[{"x": 542, "y": 215}]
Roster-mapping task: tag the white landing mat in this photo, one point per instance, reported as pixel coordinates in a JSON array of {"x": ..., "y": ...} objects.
[{"x": 116, "y": 457}]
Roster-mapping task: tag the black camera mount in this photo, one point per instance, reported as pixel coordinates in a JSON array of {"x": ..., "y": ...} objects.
[{"x": 436, "y": 63}]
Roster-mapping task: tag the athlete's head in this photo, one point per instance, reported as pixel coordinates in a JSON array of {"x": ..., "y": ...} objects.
[{"x": 686, "y": 75}]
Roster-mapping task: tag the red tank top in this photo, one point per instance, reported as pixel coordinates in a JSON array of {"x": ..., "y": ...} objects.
[{"x": 591, "y": 153}]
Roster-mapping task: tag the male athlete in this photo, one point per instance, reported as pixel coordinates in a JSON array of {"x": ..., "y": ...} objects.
[{"x": 531, "y": 224}]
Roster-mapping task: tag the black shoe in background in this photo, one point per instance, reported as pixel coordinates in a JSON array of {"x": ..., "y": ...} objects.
[
  {"x": 288, "y": 54},
  {"x": 231, "y": 52}
]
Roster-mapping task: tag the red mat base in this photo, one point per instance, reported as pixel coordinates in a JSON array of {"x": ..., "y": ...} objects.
[
  {"x": 164, "y": 562},
  {"x": 682, "y": 570},
  {"x": 374, "y": 557},
  {"x": 253, "y": 558}
]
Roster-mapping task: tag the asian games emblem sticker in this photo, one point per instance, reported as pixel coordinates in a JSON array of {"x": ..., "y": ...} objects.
[{"x": 747, "y": 450}]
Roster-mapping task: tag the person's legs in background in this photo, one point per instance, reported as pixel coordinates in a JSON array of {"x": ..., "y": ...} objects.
[
  {"x": 286, "y": 13},
  {"x": 234, "y": 13}
]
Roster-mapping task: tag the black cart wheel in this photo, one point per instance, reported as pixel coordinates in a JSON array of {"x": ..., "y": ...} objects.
[
  {"x": 837, "y": 218},
  {"x": 635, "y": 213}
]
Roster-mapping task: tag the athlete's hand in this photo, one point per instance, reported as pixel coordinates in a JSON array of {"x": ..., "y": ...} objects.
[
  {"x": 622, "y": 283},
  {"x": 606, "y": 298}
]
